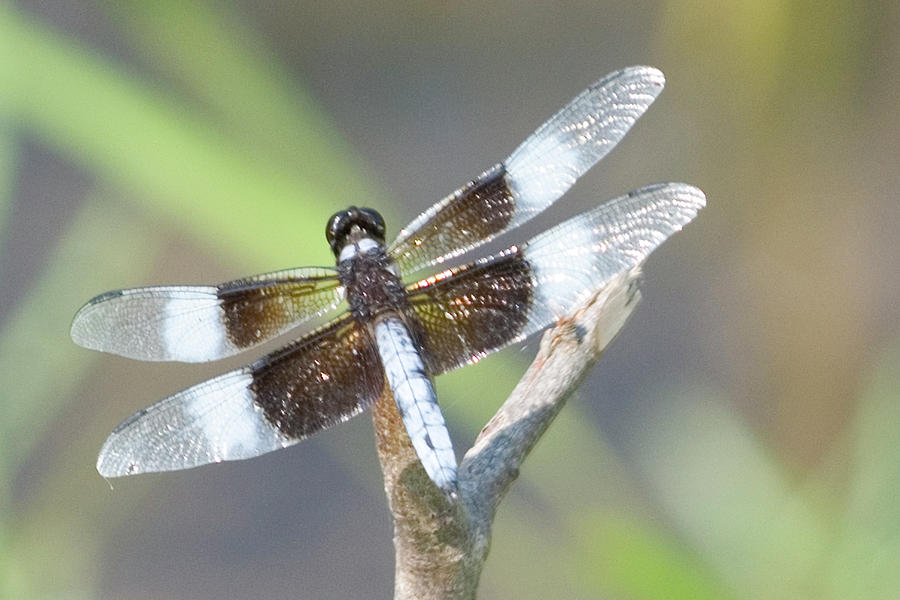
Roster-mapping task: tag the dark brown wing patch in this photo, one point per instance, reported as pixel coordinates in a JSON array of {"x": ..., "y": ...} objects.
[
  {"x": 463, "y": 314},
  {"x": 478, "y": 211},
  {"x": 321, "y": 380},
  {"x": 259, "y": 308}
]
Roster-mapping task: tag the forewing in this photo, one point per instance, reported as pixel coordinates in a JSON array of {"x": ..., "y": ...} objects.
[
  {"x": 204, "y": 323},
  {"x": 463, "y": 314},
  {"x": 538, "y": 172},
  {"x": 321, "y": 380}
]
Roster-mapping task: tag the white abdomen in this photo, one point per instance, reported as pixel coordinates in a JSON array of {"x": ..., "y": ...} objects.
[{"x": 417, "y": 402}]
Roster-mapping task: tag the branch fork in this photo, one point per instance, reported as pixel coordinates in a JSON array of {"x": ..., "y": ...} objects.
[{"x": 441, "y": 543}]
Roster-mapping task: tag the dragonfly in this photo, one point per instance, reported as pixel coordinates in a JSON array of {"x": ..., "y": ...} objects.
[{"x": 395, "y": 332}]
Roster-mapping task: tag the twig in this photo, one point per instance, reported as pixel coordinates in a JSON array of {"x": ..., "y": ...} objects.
[{"x": 441, "y": 544}]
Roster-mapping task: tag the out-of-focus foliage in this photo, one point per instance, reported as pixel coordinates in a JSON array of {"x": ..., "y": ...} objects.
[{"x": 740, "y": 440}]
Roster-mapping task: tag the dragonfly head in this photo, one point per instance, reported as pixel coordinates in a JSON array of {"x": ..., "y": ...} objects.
[{"x": 352, "y": 225}]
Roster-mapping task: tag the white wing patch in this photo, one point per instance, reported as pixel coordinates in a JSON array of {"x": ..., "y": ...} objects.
[
  {"x": 582, "y": 255},
  {"x": 153, "y": 323},
  {"x": 538, "y": 185},
  {"x": 232, "y": 430},
  {"x": 195, "y": 330},
  {"x": 573, "y": 140},
  {"x": 211, "y": 422}
]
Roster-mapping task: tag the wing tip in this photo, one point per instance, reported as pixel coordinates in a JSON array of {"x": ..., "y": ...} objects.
[
  {"x": 109, "y": 468},
  {"x": 652, "y": 76},
  {"x": 106, "y": 472},
  {"x": 77, "y": 331},
  {"x": 113, "y": 459},
  {"x": 80, "y": 328},
  {"x": 690, "y": 194},
  {"x": 686, "y": 193}
]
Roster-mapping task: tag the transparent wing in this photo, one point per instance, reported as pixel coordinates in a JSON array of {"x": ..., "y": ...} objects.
[
  {"x": 319, "y": 381},
  {"x": 464, "y": 314},
  {"x": 204, "y": 323},
  {"x": 538, "y": 172}
]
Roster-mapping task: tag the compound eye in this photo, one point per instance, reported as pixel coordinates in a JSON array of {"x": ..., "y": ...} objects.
[
  {"x": 374, "y": 222},
  {"x": 338, "y": 227}
]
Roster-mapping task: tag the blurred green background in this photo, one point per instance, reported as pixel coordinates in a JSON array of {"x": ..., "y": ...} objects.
[{"x": 740, "y": 438}]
